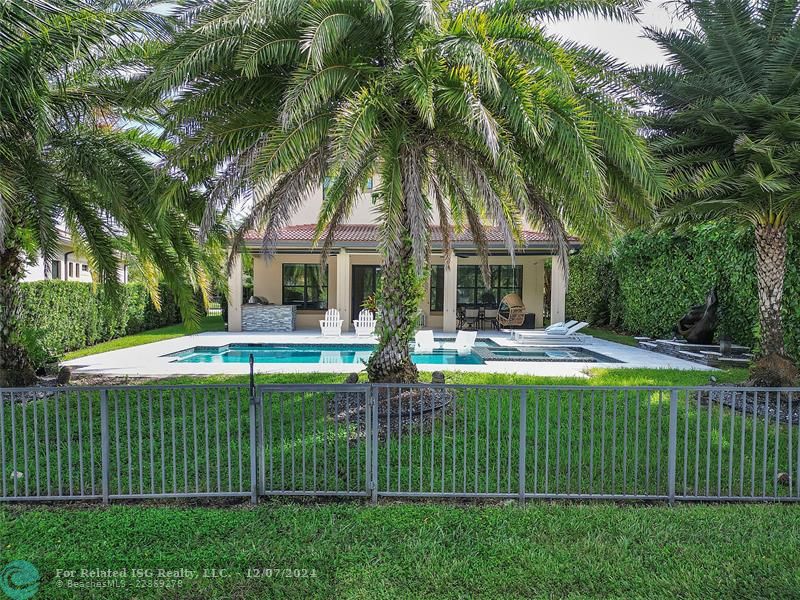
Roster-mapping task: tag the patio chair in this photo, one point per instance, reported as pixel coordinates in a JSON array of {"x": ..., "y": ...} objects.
[
  {"x": 490, "y": 317},
  {"x": 556, "y": 328},
  {"x": 365, "y": 324},
  {"x": 332, "y": 323},
  {"x": 511, "y": 312},
  {"x": 423, "y": 342},
  {"x": 465, "y": 340},
  {"x": 472, "y": 317},
  {"x": 557, "y": 335}
]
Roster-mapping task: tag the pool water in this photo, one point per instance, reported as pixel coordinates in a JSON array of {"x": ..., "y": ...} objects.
[{"x": 309, "y": 354}]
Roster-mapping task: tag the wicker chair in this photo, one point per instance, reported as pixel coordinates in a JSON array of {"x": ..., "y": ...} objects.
[{"x": 511, "y": 312}]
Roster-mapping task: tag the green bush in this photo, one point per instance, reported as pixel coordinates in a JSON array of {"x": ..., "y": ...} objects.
[
  {"x": 648, "y": 280},
  {"x": 68, "y": 315}
]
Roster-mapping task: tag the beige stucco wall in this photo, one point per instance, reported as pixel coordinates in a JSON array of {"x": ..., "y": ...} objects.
[{"x": 267, "y": 282}]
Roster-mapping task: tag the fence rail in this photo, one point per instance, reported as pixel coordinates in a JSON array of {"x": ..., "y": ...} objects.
[{"x": 363, "y": 440}]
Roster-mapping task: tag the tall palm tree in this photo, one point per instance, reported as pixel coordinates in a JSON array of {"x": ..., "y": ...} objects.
[
  {"x": 470, "y": 109},
  {"x": 727, "y": 125},
  {"x": 69, "y": 157}
]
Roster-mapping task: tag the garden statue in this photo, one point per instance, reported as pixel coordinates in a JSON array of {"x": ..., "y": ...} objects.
[{"x": 698, "y": 325}]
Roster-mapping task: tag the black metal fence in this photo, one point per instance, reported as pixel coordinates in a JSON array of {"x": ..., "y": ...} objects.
[{"x": 657, "y": 443}]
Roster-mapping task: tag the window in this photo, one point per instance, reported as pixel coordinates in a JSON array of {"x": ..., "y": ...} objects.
[
  {"x": 305, "y": 286},
  {"x": 85, "y": 268},
  {"x": 55, "y": 269},
  {"x": 437, "y": 288},
  {"x": 368, "y": 187},
  {"x": 70, "y": 269},
  {"x": 505, "y": 279}
]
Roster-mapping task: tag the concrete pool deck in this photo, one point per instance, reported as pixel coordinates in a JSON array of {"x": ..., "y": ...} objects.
[{"x": 152, "y": 360}]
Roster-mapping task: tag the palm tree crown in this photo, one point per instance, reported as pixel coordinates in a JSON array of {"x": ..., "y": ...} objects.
[
  {"x": 727, "y": 125},
  {"x": 471, "y": 113},
  {"x": 70, "y": 161}
]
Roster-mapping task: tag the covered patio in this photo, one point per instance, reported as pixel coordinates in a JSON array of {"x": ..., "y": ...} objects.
[{"x": 297, "y": 289}]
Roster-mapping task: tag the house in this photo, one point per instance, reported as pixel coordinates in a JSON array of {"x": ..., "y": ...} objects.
[
  {"x": 67, "y": 264},
  {"x": 294, "y": 276}
]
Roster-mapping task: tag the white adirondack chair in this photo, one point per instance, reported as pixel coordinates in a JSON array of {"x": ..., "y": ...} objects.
[
  {"x": 365, "y": 324},
  {"x": 423, "y": 342},
  {"x": 332, "y": 323}
]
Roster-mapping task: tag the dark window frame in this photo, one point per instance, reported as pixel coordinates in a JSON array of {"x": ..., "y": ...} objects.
[
  {"x": 437, "y": 288},
  {"x": 308, "y": 302},
  {"x": 473, "y": 285}
]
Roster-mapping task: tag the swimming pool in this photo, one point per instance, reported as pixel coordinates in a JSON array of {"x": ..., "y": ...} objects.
[
  {"x": 309, "y": 354},
  {"x": 357, "y": 354}
]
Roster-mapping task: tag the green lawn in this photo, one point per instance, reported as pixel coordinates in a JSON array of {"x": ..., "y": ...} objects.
[
  {"x": 346, "y": 550},
  {"x": 147, "y": 337},
  {"x": 611, "y": 336}
]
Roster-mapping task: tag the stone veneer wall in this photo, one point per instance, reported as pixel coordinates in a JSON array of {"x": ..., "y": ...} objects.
[{"x": 268, "y": 317}]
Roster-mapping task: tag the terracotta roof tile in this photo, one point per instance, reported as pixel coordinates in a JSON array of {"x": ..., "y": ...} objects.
[{"x": 366, "y": 233}]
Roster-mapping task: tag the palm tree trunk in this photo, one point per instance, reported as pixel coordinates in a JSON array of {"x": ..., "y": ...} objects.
[
  {"x": 15, "y": 368},
  {"x": 770, "y": 272},
  {"x": 398, "y": 299}
]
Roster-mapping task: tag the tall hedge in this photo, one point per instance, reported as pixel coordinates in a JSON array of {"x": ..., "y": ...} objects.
[
  {"x": 648, "y": 280},
  {"x": 69, "y": 315}
]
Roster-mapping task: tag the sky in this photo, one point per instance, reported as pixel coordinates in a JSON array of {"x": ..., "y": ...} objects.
[{"x": 623, "y": 41}]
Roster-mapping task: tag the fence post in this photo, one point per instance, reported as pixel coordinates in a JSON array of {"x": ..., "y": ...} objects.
[
  {"x": 372, "y": 433},
  {"x": 253, "y": 412},
  {"x": 104, "y": 445},
  {"x": 673, "y": 444},
  {"x": 523, "y": 435}
]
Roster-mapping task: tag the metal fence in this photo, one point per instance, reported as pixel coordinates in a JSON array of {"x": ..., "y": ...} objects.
[{"x": 657, "y": 443}]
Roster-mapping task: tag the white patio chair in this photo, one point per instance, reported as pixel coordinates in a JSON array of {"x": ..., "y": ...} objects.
[
  {"x": 423, "y": 342},
  {"x": 559, "y": 328},
  {"x": 543, "y": 337},
  {"x": 465, "y": 340},
  {"x": 332, "y": 323},
  {"x": 365, "y": 324}
]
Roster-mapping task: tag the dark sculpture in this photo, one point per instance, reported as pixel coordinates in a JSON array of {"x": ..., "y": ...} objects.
[{"x": 698, "y": 325}]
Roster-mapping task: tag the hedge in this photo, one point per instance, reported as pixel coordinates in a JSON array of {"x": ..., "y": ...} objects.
[
  {"x": 648, "y": 280},
  {"x": 69, "y": 315}
]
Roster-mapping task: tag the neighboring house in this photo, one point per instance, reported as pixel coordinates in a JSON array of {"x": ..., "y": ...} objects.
[
  {"x": 67, "y": 264},
  {"x": 294, "y": 276}
]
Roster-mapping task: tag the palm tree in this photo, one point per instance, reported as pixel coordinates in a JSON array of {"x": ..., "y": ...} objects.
[
  {"x": 71, "y": 159},
  {"x": 727, "y": 125},
  {"x": 473, "y": 111}
]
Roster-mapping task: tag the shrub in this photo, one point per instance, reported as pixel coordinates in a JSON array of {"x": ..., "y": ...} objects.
[
  {"x": 68, "y": 315},
  {"x": 648, "y": 280}
]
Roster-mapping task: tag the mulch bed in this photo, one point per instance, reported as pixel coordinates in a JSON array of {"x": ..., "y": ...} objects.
[
  {"x": 398, "y": 411},
  {"x": 762, "y": 403}
]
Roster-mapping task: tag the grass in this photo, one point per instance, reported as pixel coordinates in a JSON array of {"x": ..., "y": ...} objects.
[
  {"x": 611, "y": 336},
  {"x": 415, "y": 550},
  {"x": 147, "y": 337}
]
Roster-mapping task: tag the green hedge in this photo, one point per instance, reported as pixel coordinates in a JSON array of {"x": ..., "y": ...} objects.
[
  {"x": 648, "y": 280},
  {"x": 68, "y": 315}
]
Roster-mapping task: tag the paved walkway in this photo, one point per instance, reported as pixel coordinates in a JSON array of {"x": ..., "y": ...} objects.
[{"x": 152, "y": 360}]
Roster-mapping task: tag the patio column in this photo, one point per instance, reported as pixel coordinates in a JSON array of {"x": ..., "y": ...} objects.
[
  {"x": 235, "y": 294},
  {"x": 558, "y": 292},
  {"x": 449, "y": 313},
  {"x": 343, "y": 291}
]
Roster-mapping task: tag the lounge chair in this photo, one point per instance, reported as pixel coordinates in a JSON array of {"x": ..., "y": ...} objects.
[
  {"x": 562, "y": 334},
  {"x": 556, "y": 328},
  {"x": 465, "y": 340},
  {"x": 365, "y": 324},
  {"x": 332, "y": 323},
  {"x": 423, "y": 342}
]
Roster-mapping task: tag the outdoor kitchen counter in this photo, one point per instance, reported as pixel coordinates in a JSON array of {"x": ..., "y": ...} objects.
[{"x": 268, "y": 317}]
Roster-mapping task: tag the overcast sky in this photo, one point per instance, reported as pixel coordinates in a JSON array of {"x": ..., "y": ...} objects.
[{"x": 622, "y": 41}]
